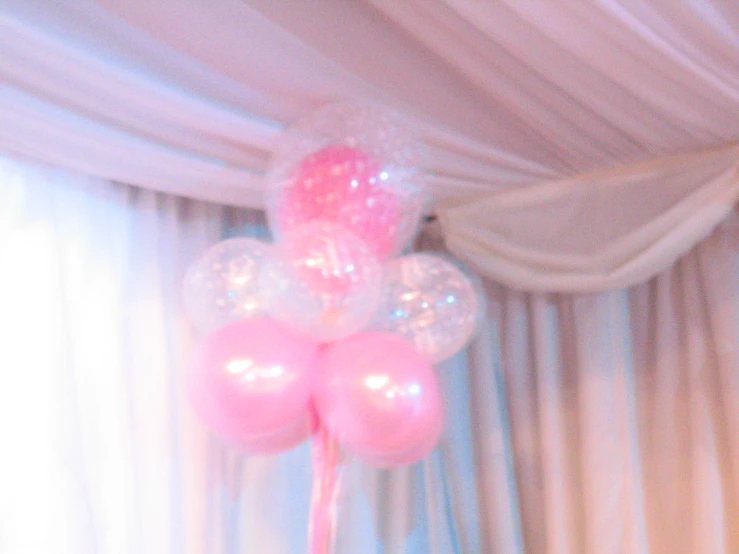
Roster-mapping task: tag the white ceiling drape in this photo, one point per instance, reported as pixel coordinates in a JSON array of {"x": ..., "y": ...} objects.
[
  {"x": 189, "y": 98},
  {"x": 111, "y": 90}
]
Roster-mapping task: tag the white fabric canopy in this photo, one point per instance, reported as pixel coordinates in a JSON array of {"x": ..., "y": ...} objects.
[
  {"x": 189, "y": 97},
  {"x": 185, "y": 97}
]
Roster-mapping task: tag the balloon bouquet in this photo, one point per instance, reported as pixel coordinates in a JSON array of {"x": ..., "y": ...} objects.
[{"x": 327, "y": 332}]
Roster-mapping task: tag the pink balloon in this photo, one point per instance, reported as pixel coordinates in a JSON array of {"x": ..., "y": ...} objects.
[
  {"x": 251, "y": 380},
  {"x": 280, "y": 440},
  {"x": 380, "y": 398},
  {"x": 344, "y": 185}
]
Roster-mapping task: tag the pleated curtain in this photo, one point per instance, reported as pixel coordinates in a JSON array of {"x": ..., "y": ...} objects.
[{"x": 594, "y": 423}]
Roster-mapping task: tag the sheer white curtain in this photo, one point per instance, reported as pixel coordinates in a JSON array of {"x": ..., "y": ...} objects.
[
  {"x": 603, "y": 423},
  {"x": 100, "y": 452}
]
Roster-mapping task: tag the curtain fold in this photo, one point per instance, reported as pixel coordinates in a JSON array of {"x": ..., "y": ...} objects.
[{"x": 598, "y": 231}]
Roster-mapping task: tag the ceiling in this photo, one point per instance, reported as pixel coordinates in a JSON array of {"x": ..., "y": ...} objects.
[{"x": 189, "y": 96}]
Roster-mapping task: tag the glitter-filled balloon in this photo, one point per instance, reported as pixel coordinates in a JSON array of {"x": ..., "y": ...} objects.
[
  {"x": 354, "y": 165},
  {"x": 321, "y": 281},
  {"x": 222, "y": 285},
  {"x": 430, "y": 302},
  {"x": 343, "y": 185}
]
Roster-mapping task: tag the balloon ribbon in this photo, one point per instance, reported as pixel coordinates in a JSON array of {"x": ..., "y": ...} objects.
[{"x": 322, "y": 530}]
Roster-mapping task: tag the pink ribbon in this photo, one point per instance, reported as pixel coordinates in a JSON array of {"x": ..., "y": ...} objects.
[
  {"x": 326, "y": 481},
  {"x": 322, "y": 530}
]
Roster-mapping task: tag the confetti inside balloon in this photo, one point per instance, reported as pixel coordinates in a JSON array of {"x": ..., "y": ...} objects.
[
  {"x": 321, "y": 281},
  {"x": 350, "y": 164},
  {"x": 430, "y": 302},
  {"x": 343, "y": 185},
  {"x": 222, "y": 285}
]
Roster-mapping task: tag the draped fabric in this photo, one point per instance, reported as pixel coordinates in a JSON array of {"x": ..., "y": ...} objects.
[
  {"x": 599, "y": 231},
  {"x": 595, "y": 83},
  {"x": 189, "y": 97},
  {"x": 603, "y": 423},
  {"x": 582, "y": 156},
  {"x": 622, "y": 411},
  {"x": 529, "y": 111}
]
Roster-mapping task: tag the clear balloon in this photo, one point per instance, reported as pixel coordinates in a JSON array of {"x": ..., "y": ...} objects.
[
  {"x": 223, "y": 284},
  {"x": 380, "y": 398},
  {"x": 430, "y": 302},
  {"x": 251, "y": 379},
  {"x": 321, "y": 281},
  {"x": 352, "y": 164}
]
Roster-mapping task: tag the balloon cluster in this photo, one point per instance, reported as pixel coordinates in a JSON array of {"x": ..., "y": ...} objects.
[{"x": 327, "y": 325}]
